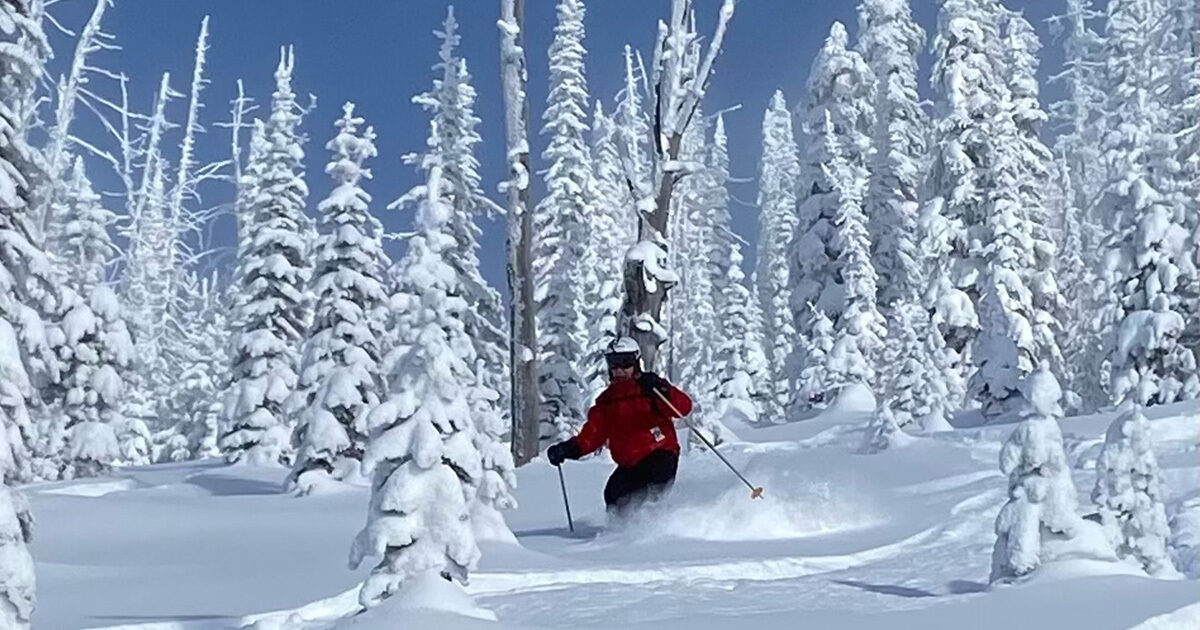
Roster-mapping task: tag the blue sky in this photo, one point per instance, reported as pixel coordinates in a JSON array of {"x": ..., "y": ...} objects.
[{"x": 378, "y": 53}]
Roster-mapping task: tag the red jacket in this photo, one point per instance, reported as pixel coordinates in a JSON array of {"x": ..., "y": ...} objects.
[{"x": 624, "y": 417}]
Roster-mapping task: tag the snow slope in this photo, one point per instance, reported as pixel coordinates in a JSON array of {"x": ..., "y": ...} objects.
[{"x": 840, "y": 541}]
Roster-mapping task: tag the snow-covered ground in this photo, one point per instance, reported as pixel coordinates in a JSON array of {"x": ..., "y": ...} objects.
[{"x": 900, "y": 539}]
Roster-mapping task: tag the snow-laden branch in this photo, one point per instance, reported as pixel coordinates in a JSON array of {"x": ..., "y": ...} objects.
[{"x": 183, "y": 177}]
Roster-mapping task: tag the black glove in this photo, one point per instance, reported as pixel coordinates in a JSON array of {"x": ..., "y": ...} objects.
[
  {"x": 558, "y": 453},
  {"x": 652, "y": 382}
]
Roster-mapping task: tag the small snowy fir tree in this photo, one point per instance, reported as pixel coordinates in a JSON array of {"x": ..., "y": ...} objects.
[
  {"x": 340, "y": 379},
  {"x": 814, "y": 382},
  {"x": 1128, "y": 493},
  {"x": 1041, "y": 496},
  {"x": 422, "y": 449},
  {"x": 883, "y": 432},
  {"x": 96, "y": 351},
  {"x": 916, "y": 386},
  {"x": 559, "y": 223},
  {"x": 778, "y": 178},
  {"x": 890, "y": 40},
  {"x": 273, "y": 272},
  {"x": 498, "y": 477},
  {"x": 25, "y": 286}
]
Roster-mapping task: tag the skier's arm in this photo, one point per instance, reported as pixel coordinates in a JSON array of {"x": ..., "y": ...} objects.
[
  {"x": 679, "y": 400},
  {"x": 594, "y": 433}
]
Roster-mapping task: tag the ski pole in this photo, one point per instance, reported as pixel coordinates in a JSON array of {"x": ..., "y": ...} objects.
[
  {"x": 755, "y": 491},
  {"x": 562, "y": 482}
]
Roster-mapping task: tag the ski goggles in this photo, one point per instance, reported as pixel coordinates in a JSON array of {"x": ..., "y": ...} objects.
[{"x": 621, "y": 361}]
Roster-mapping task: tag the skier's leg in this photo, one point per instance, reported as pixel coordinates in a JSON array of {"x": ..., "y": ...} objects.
[
  {"x": 661, "y": 466},
  {"x": 616, "y": 492},
  {"x": 629, "y": 487}
]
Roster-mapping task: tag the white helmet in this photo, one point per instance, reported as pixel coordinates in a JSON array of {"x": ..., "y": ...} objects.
[
  {"x": 623, "y": 345},
  {"x": 622, "y": 352}
]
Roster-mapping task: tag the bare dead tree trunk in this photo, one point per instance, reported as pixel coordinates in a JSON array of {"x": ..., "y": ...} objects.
[
  {"x": 523, "y": 333},
  {"x": 680, "y": 77}
]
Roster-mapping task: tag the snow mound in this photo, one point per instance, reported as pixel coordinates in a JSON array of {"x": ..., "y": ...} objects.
[
  {"x": 90, "y": 489},
  {"x": 426, "y": 593},
  {"x": 1186, "y": 618}
]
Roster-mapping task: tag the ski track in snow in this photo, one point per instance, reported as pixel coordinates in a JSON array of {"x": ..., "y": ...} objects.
[{"x": 735, "y": 570}]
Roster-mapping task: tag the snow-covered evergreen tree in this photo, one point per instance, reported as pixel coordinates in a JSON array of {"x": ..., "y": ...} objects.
[
  {"x": 1041, "y": 496},
  {"x": 692, "y": 317},
  {"x": 859, "y": 328},
  {"x": 86, "y": 242},
  {"x": 197, "y": 402},
  {"x": 829, "y": 254},
  {"x": 916, "y": 385},
  {"x": 95, "y": 349},
  {"x": 837, "y": 118},
  {"x": 1078, "y": 170},
  {"x": 26, "y": 292},
  {"x": 778, "y": 178},
  {"x": 612, "y": 230},
  {"x": 883, "y": 432},
  {"x": 1149, "y": 248},
  {"x": 422, "y": 450},
  {"x": 452, "y": 103},
  {"x": 815, "y": 381},
  {"x": 1084, "y": 353},
  {"x": 890, "y": 40},
  {"x": 146, "y": 284},
  {"x": 1183, "y": 40},
  {"x": 1128, "y": 492},
  {"x": 340, "y": 376},
  {"x": 498, "y": 474},
  {"x": 1033, "y": 159},
  {"x": 1006, "y": 347},
  {"x": 970, "y": 94},
  {"x": 738, "y": 354},
  {"x": 1078, "y": 117},
  {"x": 560, "y": 225},
  {"x": 273, "y": 271}
]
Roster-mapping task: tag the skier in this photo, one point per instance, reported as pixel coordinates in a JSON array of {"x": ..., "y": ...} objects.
[{"x": 637, "y": 426}]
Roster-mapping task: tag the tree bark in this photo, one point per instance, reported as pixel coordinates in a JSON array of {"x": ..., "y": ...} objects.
[{"x": 523, "y": 333}]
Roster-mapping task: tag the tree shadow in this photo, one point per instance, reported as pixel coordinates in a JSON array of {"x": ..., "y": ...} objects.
[
  {"x": 227, "y": 485},
  {"x": 887, "y": 589},
  {"x": 963, "y": 587},
  {"x": 163, "y": 618},
  {"x": 584, "y": 532}
]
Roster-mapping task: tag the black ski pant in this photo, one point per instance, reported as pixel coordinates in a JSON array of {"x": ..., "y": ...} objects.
[{"x": 630, "y": 486}]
